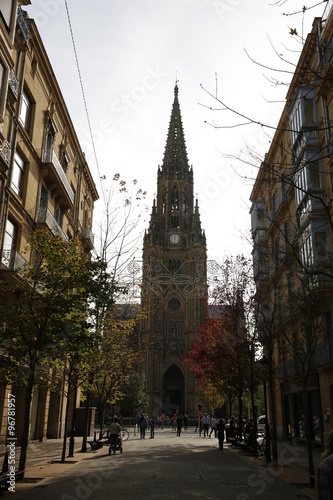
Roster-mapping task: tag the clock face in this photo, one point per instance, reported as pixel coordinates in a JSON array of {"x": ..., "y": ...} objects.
[{"x": 174, "y": 238}]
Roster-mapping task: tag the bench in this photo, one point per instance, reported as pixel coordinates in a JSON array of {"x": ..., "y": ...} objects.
[{"x": 4, "y": 470}]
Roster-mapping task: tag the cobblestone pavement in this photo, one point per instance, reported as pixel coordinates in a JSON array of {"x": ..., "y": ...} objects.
[{"x": 166, "y": 467}]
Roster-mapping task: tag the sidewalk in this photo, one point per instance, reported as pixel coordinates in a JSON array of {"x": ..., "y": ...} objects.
[
  {"x": 43, "y": 462},
  {"x": 292, "y": 466}
]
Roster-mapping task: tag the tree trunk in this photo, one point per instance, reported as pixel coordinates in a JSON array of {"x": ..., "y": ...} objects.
[
  {"x": 86, "y": 427},
  {"x": 26, "y": 418},
  {"x": 63, "y": 456},
  {"x": 272, "y": 411},
  {"x": 240, "y": 415},
  {"x": 308, "y": 439}
]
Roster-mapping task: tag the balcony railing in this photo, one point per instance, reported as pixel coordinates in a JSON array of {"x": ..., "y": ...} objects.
[
  {"x": 13, "y": 83},
  {"x": 23, "y": 24},
  {"x": 49, "y": 156},
  {"x": 44, "y": 216},
  {"x": 13, "y": 260},
  {"x": 5, "y": 151}
]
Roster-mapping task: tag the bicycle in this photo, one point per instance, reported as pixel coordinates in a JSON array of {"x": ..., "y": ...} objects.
[{"x": 124, "y": 434}]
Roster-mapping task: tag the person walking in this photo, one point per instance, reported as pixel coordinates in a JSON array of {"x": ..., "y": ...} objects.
[
  {"x": 143, "y": 426},
  {"x": 212, "y": 426},
  {"x": 152, "y": 427},
  {"x": 179, "y": 424},
  {"x": 114, "y": 433},
  {"x": 220, "y": 432},
  {"x": 205, "y": 423},
  {"x": 324, "y": 475}
]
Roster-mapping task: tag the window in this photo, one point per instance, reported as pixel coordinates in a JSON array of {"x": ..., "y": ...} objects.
[
  {"x": 308, "y": 178},
  {"x": 9, "y": 243},
  {"x": 174, "y": 201},
  {"x": 306, "y": 250},
  {"x": 320, "y": 246},
  {"x": 303, "y": 117},
  {"x": 175, "y": 221},
  {"x": 59, "y": 217},
  {"x": 49, "y": 140},
  {"x": 2, "y": 76},
  {"x": 26, "y": 110},
  {"x": 18, "y": 175},
  {"x": 44, "y": 194},
  {"x": 6, "y": 12},
  {"x": 174, "y": 304}
]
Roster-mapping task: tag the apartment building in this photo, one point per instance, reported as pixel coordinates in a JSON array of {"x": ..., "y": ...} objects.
[
  {"x": 291, "y": 220},
  {"x": 45, "y": 181}
]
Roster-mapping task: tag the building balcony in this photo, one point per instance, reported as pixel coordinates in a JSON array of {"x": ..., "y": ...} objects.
[
  {"x": 88, "y": 237},
  {"x": 45, "y": 218},
  {"x": 13, "y": 261},
  {"x": 56, "y": 180},
  {"x": 281, "y": 199},
  {"x": 5, "y": 151},
  {"x": 307, "y": 138}
]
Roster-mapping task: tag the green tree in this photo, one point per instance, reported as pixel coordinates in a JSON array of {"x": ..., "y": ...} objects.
[{"x": 36, "y": 312}]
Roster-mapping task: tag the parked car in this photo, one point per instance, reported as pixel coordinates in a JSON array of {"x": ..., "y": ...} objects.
[{"x": 261, "y": 422}]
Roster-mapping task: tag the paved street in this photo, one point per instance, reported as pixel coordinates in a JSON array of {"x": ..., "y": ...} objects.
[{"x": 166, "y": 467}]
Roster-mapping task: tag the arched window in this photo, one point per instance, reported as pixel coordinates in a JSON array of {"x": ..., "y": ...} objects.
[{"x": 175, "y": 201}]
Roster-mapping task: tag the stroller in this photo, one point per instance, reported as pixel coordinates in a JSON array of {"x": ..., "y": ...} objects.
[{"x": 119, "y": 446}]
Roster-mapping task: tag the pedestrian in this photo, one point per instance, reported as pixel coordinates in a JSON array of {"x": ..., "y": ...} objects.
[
  {"x": 220, "y": 432},
  {"x": 324, "y": 476},
  {"x": 152, "y": 427},
  {"x": 185, "y": 421},
  {"x": 174, "y": 422},
  {"x": 212, "y": 426},
  {"x": 179, "y": 424},
  {"x": 114, "y": 434},
  {"x": 143, "y": 426},
  {"x": 205, "y": 423}
]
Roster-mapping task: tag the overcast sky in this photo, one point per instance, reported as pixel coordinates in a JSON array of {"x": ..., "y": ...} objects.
[{"x": 130, "y": 54}]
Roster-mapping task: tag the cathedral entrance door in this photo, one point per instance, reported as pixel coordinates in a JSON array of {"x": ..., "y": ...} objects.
[{"x": 173, "y": 390}]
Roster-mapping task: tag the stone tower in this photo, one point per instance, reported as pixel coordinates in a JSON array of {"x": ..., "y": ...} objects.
[{"x": 174, "y": 280}]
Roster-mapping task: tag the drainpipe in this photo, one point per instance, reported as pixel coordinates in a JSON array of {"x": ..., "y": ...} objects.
[
  {"x": 14, "y": 124},
  {"x": 77, "y": 202}
]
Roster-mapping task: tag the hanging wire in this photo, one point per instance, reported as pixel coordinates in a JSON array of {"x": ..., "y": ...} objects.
[{"x": 85, "y": 103}]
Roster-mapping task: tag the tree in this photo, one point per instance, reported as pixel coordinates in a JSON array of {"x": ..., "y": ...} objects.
[
  {"x": 135, "y": 395},
  {"x": 36, "y": 312},
  {"x": 116, "y": 361},
  {"x": 219, "y": 356},
  {"x": 303, "y": 350}
]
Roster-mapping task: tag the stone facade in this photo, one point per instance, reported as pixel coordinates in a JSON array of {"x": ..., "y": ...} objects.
[
  {"x": 45, "y": 181},
  {"x": 174, "y": 281},
  {"x": 291, "y": 217}
]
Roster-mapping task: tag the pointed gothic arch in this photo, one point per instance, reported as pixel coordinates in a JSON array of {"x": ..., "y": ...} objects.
[{"x": 173, "y": 389}]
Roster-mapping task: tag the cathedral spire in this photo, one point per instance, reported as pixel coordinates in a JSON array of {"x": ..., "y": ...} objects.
[{"x": 175, "y": 156}]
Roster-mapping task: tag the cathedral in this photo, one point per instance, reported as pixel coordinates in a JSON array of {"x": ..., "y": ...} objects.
[{"x": 174, "y": 279}]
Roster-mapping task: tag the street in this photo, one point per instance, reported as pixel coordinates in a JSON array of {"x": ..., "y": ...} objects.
[{"x": 167, "y": 467}]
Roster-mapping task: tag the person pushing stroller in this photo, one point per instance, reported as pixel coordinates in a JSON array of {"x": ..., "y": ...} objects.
[{"x": 114, "y": 434}]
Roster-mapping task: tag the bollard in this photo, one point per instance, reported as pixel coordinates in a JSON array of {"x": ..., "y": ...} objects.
[{"x": 134, "y": 429}]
